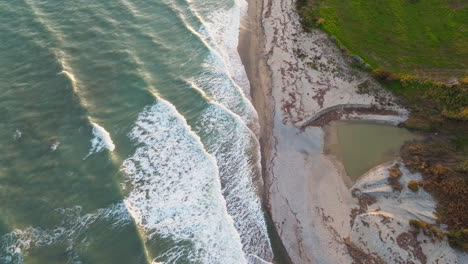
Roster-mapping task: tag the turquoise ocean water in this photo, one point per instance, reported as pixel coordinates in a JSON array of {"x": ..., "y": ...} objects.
[{"x": 126, "y": 134}]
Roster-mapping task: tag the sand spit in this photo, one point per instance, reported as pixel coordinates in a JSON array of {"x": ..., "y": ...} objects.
[{"x": 300, "y": 82}]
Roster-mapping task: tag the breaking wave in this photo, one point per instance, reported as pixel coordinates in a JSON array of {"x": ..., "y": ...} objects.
[
  {"x": 101, "y": 140},
  {"x": 175, "y": 192},
  {"x": 240, "y": 176}
]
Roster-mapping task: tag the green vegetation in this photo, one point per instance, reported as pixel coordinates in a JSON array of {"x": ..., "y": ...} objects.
[
  {"x": 414, "y": 186},
  {"x": 400, "y": 35},
  {"x": 413, "y": 47},
  {"x": 447, "y": 101},
  {"x": 458, "y": 239},
  {"x": 403, "y": 41},
  {"x": 436, "y": 107},
  {"x": 428, "y": 229}
]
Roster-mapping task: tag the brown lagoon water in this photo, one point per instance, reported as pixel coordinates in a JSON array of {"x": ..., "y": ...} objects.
[{"x": 362, "y": 146}]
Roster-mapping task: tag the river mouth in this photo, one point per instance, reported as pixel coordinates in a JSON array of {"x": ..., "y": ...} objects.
[{"x": 360, "y": 146}]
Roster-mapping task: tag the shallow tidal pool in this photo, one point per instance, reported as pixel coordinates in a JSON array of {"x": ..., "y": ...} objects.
[{"x": 361, "y": 146}]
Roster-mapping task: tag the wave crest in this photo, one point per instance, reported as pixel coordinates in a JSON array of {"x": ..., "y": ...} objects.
[{"x": 175, "y": 191}]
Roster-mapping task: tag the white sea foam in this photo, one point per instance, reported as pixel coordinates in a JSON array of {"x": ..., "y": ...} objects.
[
  {"x": 238, "y": 169},
  {"x": 225, "y": 126},
  {"x": 232, "y": 143},
  {"x": 101, "y": 140},
  {"x": 17, "y": 134},
  {"x": 224, "y": 79},
  {"x": 175, "y": 192},
  {"x": 54, "y": 146},
  {"x": 15, "y": 245},
  {"x": 223, "y": 27},
  {"x": 219, "y": 87},
  {"x": 69, "y": 75}
]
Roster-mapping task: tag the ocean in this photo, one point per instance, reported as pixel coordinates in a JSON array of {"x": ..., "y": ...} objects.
[{"x": 127, "y": 134}]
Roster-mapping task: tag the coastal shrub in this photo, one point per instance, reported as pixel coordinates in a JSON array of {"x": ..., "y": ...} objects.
[
  {"x": 449, "y": 100},
  {"x": 462, "y": 114},
  {"x": 435, "y": 232},
  {"x": 435, "y": 106},
  {"x": 307, "y": 15},
  {"x": 418, "y": 225},
  {"x": 384, "y": 75},
  {"x": 413, "y": 185},
  {"x": 300, "y": 54},
  {"x": 464, "y": 80},
  {"x": 429, "y": 230},
  {"x": 364, "y": 87},
  {"x": 320, "y": 21},
  {"x": 442, "y": 168},
  {"x": 458, "y": 239},
  {"x": 394, "y": 177},
  {"x": 463, "y": 167}
]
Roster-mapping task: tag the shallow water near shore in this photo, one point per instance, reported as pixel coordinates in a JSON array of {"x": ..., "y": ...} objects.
[
  {"x": 363, "y": 145},
  {"x": 126, "y": 134}
]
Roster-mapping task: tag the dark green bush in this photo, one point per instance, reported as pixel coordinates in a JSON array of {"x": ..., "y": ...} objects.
[
  {"x": 458, "y": 239},
  {"x": 384, "y": 75}
]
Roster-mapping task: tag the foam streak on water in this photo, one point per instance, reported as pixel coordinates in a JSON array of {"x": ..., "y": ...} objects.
[
  {"x": 175, "y": 191},
  {"x": 14, "y": 246}
]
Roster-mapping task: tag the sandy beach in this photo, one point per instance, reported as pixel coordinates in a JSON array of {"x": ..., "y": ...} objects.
[
  {"x": 304, "y": 191},
  {"x": 285, "y": 149},
  {"x": 300, "y": 82}
]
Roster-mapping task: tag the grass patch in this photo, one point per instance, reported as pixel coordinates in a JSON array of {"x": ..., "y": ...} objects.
[
  {"x": 400, "y": 35},
  {"x": 410, "y": 44},
  {"x": 388, "y": 36}
]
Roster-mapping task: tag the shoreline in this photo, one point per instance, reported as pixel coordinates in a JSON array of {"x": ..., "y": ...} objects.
[
  {"x": 284, "y": 197},
  {"x": 293, "y": 245},
  {"x": 300, "y": 82},
  {"x": 252, "y": 56}
]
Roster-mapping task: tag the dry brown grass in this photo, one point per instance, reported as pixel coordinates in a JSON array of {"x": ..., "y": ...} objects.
[
  {"x": 359, "y": 255},
  {"x": 413, "y": 185},
  {"x": 394, "y": 177},
  {"x": 440, "y": 166}
]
